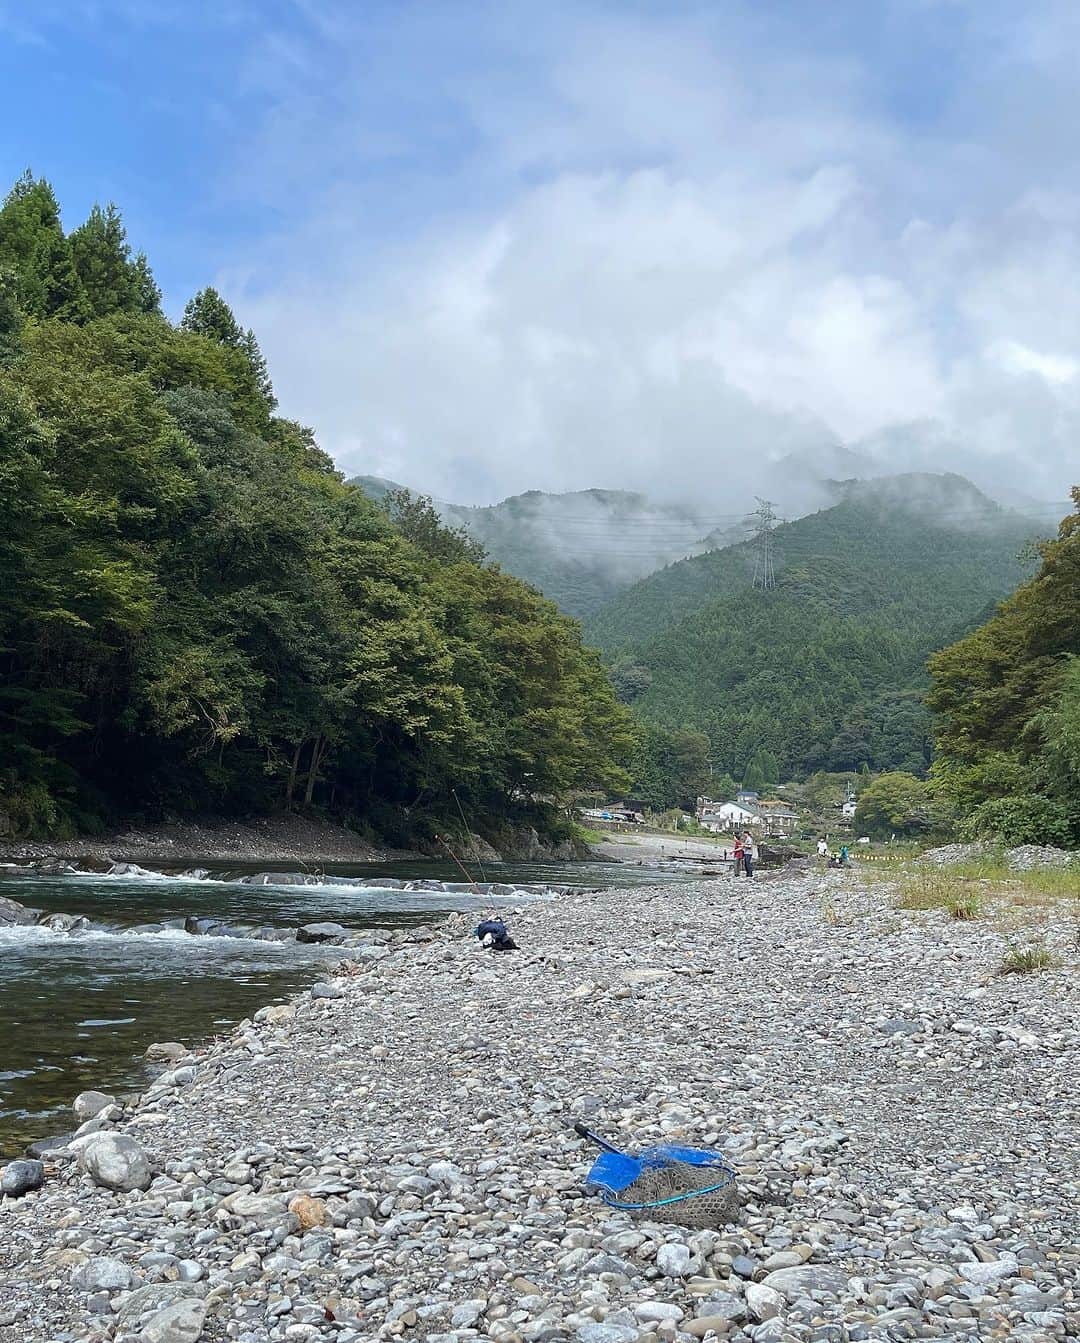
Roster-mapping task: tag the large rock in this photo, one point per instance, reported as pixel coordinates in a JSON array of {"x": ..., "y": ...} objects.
[
  {"x": 166, "y": 1050},
  {"x": 154, "y": 1297},
  {"x": 44, "y": 1146},
  {"x": 806, "y": 1280},
  {"x": 12, "y": 914},
  {"x": 987, "y": 1275},
  {"x": 200, "y": 926},
  {"x": 64, "y": 923},
  {"x": 87, "y": 1104},
  {"x": 102, "y": 1274},
  {"x": 322, "y": 932},
  {"x": 263, "y": 1209},
  {"x": 182, "y": 1322},
  {"x": 115, "y": 1161},
  {"x": 764, "y": 1302},
  {"x": 20, "y": 1177}
]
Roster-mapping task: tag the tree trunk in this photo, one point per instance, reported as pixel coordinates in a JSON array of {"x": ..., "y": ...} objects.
[
  {"x": 317, "y": 752},
  {"x": 292, "y": 776}
]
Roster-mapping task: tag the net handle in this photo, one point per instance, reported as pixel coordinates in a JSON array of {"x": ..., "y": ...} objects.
[{"x": 596, "y": 1140}]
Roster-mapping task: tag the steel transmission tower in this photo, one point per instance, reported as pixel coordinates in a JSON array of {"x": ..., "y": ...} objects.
[{"x": 763, "y": 522}]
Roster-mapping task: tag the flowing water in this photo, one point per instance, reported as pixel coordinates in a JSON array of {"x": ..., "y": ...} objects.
[{"x": 78, "y": 1009}]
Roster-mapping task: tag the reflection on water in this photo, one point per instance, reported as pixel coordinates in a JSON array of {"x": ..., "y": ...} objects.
[{"x": 78, "y": 1010}]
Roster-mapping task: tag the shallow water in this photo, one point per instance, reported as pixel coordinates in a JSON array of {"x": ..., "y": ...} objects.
[{"x": 77, "y": 1010}]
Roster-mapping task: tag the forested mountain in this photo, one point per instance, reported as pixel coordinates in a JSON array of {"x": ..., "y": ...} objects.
[
  {"x": 582, "y": 548},
  {"x": 1008, "y": 704},
  {"x": 826, "y": 669},
  {"x": 198, "y": 614}
]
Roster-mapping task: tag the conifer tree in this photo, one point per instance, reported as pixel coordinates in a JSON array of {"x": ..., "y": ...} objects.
[
  {"x": 10, "y": 316},
  {"x": 32, "y": 243},
  {"x": 102, "y": 258},
  {"x": 147, "y": 291},
  {"x": 207, "y": 314},
  {"x": 256, "y": 359}
]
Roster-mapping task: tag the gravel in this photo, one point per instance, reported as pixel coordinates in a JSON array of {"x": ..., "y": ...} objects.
[{"x": 400, "y": 1162}]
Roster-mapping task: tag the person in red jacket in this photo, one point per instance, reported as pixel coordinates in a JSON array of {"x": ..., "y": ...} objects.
[{"x": 740, "y": 853}]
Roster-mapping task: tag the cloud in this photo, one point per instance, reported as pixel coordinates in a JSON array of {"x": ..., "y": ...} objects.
[{"x": 658, "y": 248}]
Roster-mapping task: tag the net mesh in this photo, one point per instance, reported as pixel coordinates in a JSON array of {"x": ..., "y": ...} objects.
[{"x": 700, "y": 1204}]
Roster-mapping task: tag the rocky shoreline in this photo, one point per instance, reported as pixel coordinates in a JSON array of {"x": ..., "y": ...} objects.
[
  {"x": 392, "y": 1155},
  {"x": 258, "y": 840},
  {"x": 276, "y": 839}
]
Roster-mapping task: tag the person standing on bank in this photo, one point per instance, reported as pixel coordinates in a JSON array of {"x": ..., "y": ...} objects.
[
  {"x": 738, "y": 853},
  {"x": 748, "y": 854}
]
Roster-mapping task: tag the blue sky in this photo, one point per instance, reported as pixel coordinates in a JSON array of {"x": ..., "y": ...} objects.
[{"x": 489, "y": 247}]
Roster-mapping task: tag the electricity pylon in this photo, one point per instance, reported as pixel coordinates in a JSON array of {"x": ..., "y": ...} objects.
[{"x": 763, "y": 521}]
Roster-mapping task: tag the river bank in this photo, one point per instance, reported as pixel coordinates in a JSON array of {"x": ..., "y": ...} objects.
[
  {"x": 391, "y": 1154},
  {"x": 257, "y": 840},
  {"x": 278, "y": 839}
]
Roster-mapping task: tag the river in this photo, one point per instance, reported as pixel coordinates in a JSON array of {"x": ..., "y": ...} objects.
[{"x": 78, "y": 1009}]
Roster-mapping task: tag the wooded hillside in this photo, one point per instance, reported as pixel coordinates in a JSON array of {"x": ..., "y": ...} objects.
[
  {"x": 826, "y": 669},
  {"x": 199, "y": 615}
]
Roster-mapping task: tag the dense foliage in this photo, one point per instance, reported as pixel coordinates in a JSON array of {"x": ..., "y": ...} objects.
[
  {"x": 199, "y": 615},
  {"x": 1008, "y": 703},
  {"x": 896, "y": 804},
  {"x": 825, "y": 671}
]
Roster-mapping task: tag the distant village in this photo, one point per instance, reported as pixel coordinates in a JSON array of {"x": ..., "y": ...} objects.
[{"x": 764, "y": 817}]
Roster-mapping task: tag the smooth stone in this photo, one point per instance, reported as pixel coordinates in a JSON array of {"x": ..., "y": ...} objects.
[
  {"x": 724, "y": 1306},
  {"x": 655, "y": 1312},
  {"x": 985, "y": 1275},
  {"x": 20, "y": 1177},
  {"x": 103, "y": 1274},
  {"x": 87, "y": 1104},
  {"x": 763, "y": 1302},
  {"x": 182, "y": 1322},
  {"x": 14, "y": 914},
  {"x": 707, "y": 1324},
  {"x": 324, "y": 990},
  {"x": 673, "y": 1260},
  {"x": 44, "y": 1146},
  {"x": 322, "y": 932},
  {"x": 600, "y": 1332},
  {"x": 263, "y": 1209},
  {"x": 154, "y": 1297},
  {"x": 115, "y": 1161},
  {"x": 806, "y": 1280},
  {"x": 166, "y": 1051}
]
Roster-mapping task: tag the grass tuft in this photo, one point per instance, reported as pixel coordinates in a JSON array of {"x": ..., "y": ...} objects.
[
  {"x": 925, "y": 888},
  {"x": 1025, "y": 961}
]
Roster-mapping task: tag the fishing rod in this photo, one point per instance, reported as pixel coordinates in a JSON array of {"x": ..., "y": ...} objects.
[
  {"x": 460, "y": 864},
  {"x": 465, "y": 823}
]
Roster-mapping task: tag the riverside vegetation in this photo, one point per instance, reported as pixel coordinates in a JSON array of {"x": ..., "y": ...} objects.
[{"x": 198, "y": 616}]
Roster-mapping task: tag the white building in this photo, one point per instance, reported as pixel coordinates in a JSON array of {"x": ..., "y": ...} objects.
[{"x": 724, "y": 816}]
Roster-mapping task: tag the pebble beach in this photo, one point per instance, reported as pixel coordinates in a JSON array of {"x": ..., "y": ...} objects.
[{"x": 392, "y": 1155}]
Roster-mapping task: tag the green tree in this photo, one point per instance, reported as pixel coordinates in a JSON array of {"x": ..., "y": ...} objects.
[
  {"x": 1005, "y": 695},
  {"x": 416, "y": 518},
  {"x": 102, "y": 260},
  {"x": 33, "y": 245},
  {"x": 207, "y": 314},
  {"x": 762, "y": 772},
  {"x": 671, "y": 767},
  {"x": 894, "y": 803}
]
